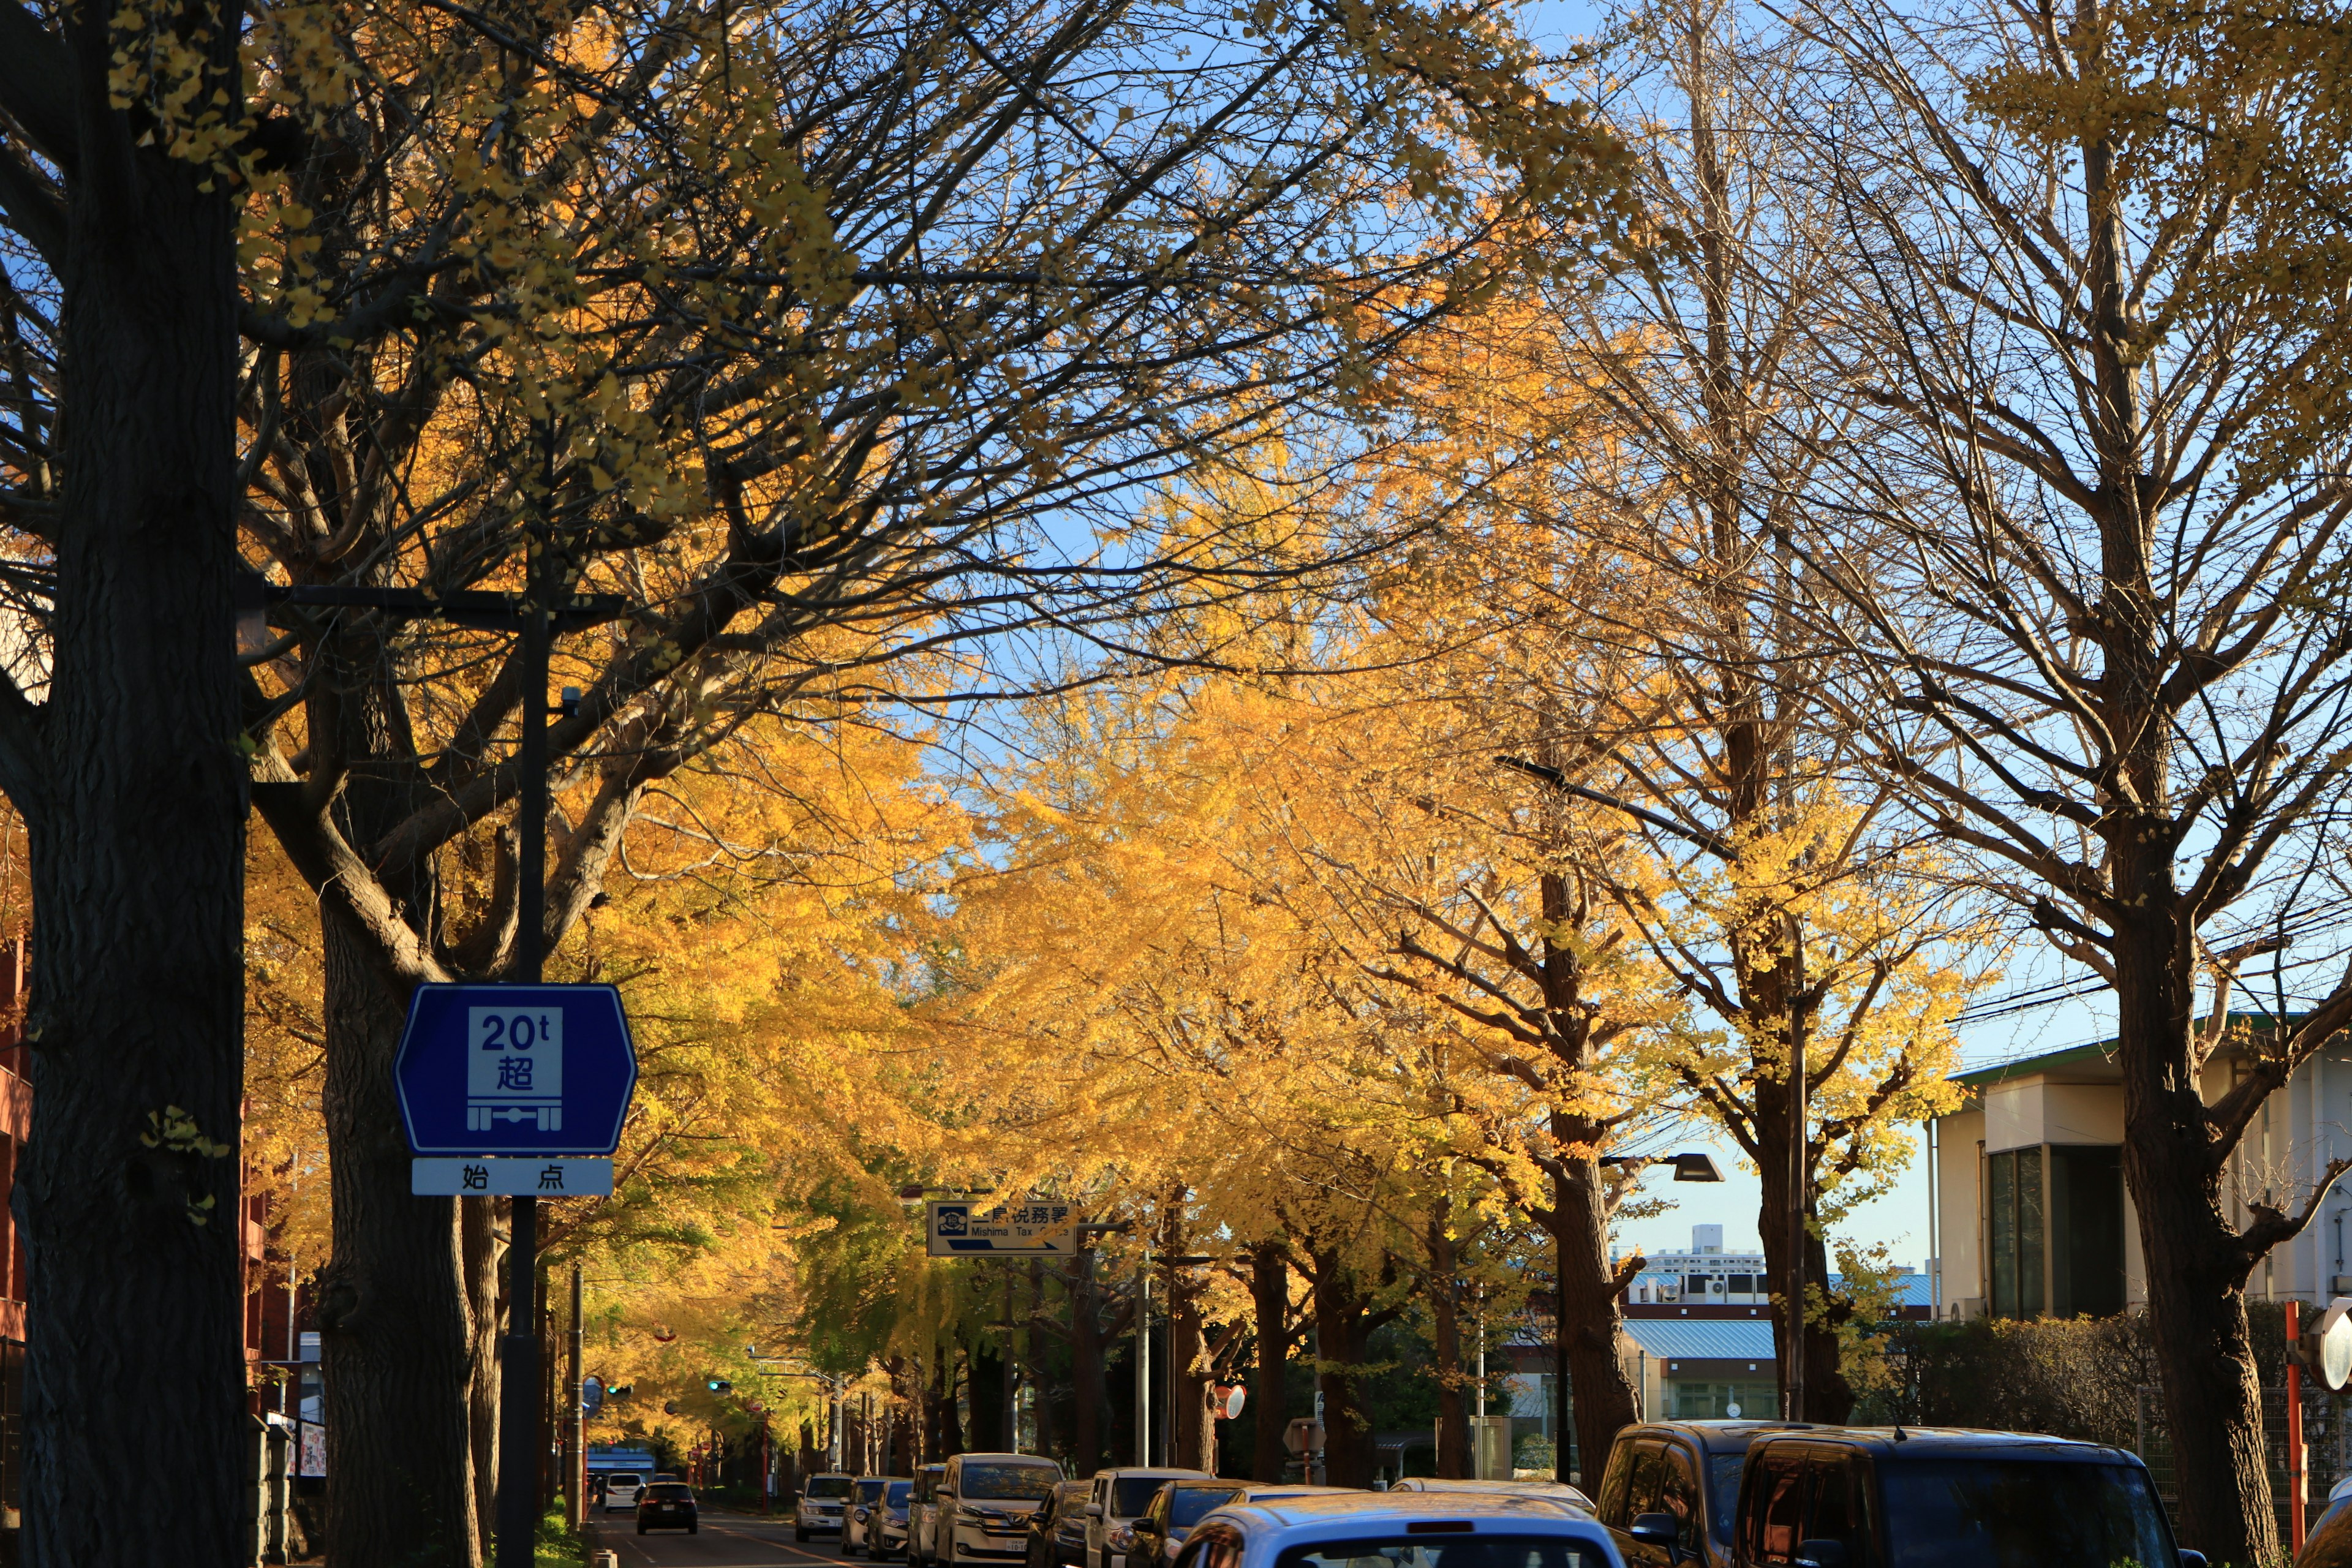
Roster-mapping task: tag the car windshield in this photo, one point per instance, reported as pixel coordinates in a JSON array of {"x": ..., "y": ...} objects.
[
  {"x": 828, "y": 1486},
  {"x": 1130, "y": 1495},
  {"x": 1461, "y": 1551},
  {"x": 898, "y": 1493},
  {"x": 669, "y": 1492},
  {"x": 1722, "y": 1492},
  {"x": 1965, "y": 1513},
  {"x": 1191, "y": 1504},
  {"x": 1000, "y": 1483}
]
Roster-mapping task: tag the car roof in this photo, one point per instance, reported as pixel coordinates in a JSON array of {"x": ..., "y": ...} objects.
[
  {"x": 1725, "y": 1437},
  {"x": 1147, "y": 1472},
  {"x": 1357, "y": 1511},
  {"x": 1899, "y": 1443}
]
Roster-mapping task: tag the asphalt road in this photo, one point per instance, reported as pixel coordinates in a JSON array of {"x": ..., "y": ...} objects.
[{"x": 728, "y": 1539}]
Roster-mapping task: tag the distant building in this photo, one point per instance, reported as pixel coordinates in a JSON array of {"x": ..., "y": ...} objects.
[{"x": 2027, "y": 1200}]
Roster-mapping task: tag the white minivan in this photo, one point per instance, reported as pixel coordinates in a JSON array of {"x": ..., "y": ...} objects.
[
  {"x": 621, "y": 1488},
  {"x": 984, "y": 1504}
]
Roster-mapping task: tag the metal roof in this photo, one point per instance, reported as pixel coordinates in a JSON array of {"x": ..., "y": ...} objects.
[{"x": 1702, "y": 1338}]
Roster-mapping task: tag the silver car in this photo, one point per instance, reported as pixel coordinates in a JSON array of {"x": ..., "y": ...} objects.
[
  {"x": 821, "y": 1499},
  {"x": 858, "y": 1517},
  {"x": 1120, "y": 1497},
  {"x": 984, "y": 1504}
]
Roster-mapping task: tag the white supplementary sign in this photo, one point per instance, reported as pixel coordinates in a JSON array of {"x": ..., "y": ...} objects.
[
  {"x": 1026, "y": 1228},
  {"x": 514, "y": 1070},
  {"x": 439, "y": 1176}
]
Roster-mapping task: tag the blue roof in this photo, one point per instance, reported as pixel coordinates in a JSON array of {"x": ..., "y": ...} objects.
[{"x": 1702, "y": 1338}]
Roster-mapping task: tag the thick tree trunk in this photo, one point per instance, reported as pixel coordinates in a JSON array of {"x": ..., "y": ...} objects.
[
  {"x": 2196, "y": 1276},
  {"x": 1445, "y": 1314},
  {"x": 1270, "y": 1298},
  {"x": 1042, "y": 1398},
  {"x": 1589, "y": 1315},
  {"x": 1343, "y": 1335},
  {"x": 393, "y": 1319},
  {"x": 1190, "y": 1380},
  {"x": 483, "y": 1231},
  {"x": 128, "y": 775},
  {"x": 1828, "y": 1397},
  {"x": 1089, "y": 1397}
]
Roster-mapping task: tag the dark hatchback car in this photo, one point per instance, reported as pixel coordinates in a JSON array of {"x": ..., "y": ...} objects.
[
  {"x": 1176, "y": 1508},
  {"x": 1686, "y": 1470},
  {"x": 667, "y": 1505},
  {"x": 1888, "y": 1497},
  {"x": 1058, "y": 1530}
]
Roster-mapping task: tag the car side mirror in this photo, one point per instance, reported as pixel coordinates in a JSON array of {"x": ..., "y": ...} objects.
[
  {"x": 1822, "y": 1553},
  {"x": 2192, "y": 1558},
  {"x": 1093, "y": 1511},
  {"x": 1659, "y": 1530}
]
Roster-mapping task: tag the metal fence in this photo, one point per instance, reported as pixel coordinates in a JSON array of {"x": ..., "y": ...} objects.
[{"x": 2328, "y": 1446}]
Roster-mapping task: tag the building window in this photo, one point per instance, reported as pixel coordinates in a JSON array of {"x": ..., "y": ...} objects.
[
  {"x": 1743, "y": 1284},
  {"x": 2086, "y": 1230},
  {"x": 2016, "y": 1236},
  {"x": 2054, "y": 1230}
]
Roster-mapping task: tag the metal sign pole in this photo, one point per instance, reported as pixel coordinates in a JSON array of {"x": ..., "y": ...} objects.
[{"x": 519, "y": 1370}]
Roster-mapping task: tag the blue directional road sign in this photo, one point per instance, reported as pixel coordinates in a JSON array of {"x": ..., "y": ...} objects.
[{"x": 515, "y": 1069}]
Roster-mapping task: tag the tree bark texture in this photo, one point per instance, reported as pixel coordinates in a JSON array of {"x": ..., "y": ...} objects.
[
  {"x": 1590, "y": 1316},
  {"x": 130, "y": 779},
  {"x": 395, "y": 1330},
  {"x": 1189, "y": 1378},
  {"x": 1270, "y": 1399},
  {"x": 1345, "y": 1320},
  {"x": 1089, "y": 1397},
  {"x": 1829, "y": 1396},
  {"x": 483, "y": 1229}
]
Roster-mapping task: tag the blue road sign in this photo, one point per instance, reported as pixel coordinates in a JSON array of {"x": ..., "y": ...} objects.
[{"x": 515, "y": 1069}]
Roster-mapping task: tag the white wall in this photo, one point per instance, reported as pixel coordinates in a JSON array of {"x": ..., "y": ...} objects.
[{"x": 1959, "y": 1226}]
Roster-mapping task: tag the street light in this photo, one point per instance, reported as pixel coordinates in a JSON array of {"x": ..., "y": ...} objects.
[{"x": 1691, "y": 1165}]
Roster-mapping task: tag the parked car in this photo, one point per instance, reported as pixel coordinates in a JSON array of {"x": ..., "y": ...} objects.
[
  {"x": 984, "y": 1504},
  {"x": 621, "y": 1488},
  {"x": 890, "y": 1520},
  {"x": 1057, "y": 1531},
  {"x": 858, "y": 1515},
  {"x": 1687, "y": 1469},
  {"x": 1119, "y": 1497},
  {"x": 667, "y": 1505},
  {"x": 1861, "y": 1497},
  {"x": 821, "y": 1497},
  {"x": 1558, "y": 1490},
  {"x": 1400, "y": 1530},
  {"x": 1160, "y": 1531},
  {"x": 923, "y": 1517},
  {"x": 2328, "y": 1542}
]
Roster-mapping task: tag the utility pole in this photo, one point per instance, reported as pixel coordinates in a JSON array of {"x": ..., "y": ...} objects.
[
  {"x": 1142, "y": 1359},
  {"x": 575, "y": 1447},
  {"x": 518, "y": 1372}
]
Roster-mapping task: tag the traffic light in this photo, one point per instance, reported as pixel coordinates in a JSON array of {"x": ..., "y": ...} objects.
[
  {"x": 720, "y": 1385},
  {"x": 618, "y": 1391}
]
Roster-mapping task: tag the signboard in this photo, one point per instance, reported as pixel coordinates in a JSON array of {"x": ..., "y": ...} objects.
[
  {"x": 1026, "y": 1228},
  {"x": 441, "y": 1176},
  {"x": 524, "y": 1071}
]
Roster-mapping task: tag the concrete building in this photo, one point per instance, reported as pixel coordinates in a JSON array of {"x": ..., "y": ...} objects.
[{"x": 2028, "y": 1210}]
